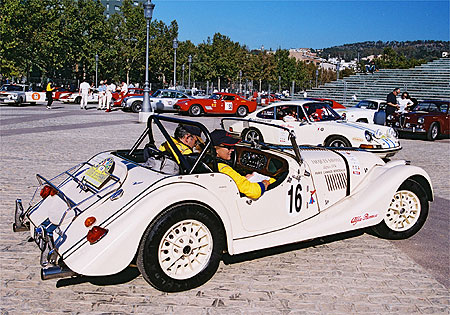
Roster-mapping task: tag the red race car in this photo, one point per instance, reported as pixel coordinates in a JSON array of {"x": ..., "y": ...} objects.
[
  {"x": 218, "y": 103},
  {"x": 330, "y": 102},
  {"x": 131, "y": 92}
]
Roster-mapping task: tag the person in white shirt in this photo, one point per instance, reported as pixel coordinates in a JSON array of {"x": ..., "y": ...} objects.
[
  {"x": 85, "y": 89},
  {"x": 101, "y": 96},
  {"x": 124, "y": 89},
  {"x": 405, "y": 103},
  {"x": 109, "y": 91}
]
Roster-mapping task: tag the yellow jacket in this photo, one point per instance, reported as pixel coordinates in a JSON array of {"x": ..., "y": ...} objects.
[
  {"x": 251, "y": 190},
  {"x": 49, "y": 87},
  {"x": 184, "y": 149}
]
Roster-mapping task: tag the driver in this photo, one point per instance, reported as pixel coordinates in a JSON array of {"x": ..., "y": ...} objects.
[
  {"x": 186, "y": 138},
  {"x": 224, "y": 143}
]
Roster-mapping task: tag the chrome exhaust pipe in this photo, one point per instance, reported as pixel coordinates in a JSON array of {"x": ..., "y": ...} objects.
[{"x": 56, "y": 272}]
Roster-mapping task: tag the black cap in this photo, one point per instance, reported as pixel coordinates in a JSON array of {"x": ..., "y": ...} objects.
[
  {"x": 193, "y": 130},
  {"x": 221, "y": 137}
]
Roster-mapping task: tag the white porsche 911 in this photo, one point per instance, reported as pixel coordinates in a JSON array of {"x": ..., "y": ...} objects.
[
  {"x": 314, "y": 123},
  {"x": 175, "y": 221}
]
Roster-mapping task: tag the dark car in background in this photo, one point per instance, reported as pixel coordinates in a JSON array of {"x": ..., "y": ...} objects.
[{"x": 429, "y": 117}]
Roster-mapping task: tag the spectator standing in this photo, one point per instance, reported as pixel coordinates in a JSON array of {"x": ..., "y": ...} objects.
[
  {"x": 110, "y": 89},
  {"x": 85, "y": 90},
  {"x": 123, "y": 89},
  {"x": 101, "y": 96},
  {"x": 49, "y": 94},
  {"x": 391, "y": 101},
  {"x": 405, "y": 103}
]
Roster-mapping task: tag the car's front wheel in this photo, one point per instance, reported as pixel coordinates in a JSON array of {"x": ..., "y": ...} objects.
[
  {"x": 337, "y": 141},
  {"x": 242, "y": 111},
  {"x": 252, "y": 135},
  {"x": 181, "y": 249},
  {"x": 136, "y": 106},
  {"x": 433, "y": 131},
  {"x": 406, "y": 213},
  {"x": 195, "y": 110}
]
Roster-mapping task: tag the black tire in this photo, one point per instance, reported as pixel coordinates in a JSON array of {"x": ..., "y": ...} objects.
[
  {"x": 136, "y": 106},
  {"x": 252, "y": 135},
  {"x": 174, "y": 224},
  {"x": 433, "y": 131},
  {"x": 195, "y": 110},
  {"x": 242, "y": 111},
  {"x": 78, "y": 100},
  {"x": 412, "y": 199},
  {"x": 337, "y": 141}
]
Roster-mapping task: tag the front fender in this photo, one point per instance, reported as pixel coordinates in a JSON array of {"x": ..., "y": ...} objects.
[{"x": 117, "y": 249}]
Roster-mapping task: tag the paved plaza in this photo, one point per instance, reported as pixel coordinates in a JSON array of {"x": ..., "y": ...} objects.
[{"x": 351, "y": 273}]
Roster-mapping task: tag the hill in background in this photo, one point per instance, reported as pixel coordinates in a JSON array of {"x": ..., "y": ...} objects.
[{"x": 419, "y": 49}]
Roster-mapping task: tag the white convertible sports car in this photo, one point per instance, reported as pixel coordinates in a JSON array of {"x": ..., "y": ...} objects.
[
  {"x": 314, "y": 123},
  {"x": 138, "y": 206},
  {"x": 364, "y": 111}
]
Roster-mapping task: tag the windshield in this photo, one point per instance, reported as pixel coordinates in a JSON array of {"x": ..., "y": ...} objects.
[
  {"x": 320, "y": 112},
  {"x": 8, "y": 87},
  {"x": 367, "y": 105},
  {"x": 427, "y": 107},
  {"x": 214, "y": 97}
]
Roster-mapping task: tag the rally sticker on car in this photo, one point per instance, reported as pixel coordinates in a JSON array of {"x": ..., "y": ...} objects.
[
  {"x": 228, "y": 105},
  {"x": 96, "y": 175}
]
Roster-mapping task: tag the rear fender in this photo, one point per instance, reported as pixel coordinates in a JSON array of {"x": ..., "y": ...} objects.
[{"x": 117, "y": 249}]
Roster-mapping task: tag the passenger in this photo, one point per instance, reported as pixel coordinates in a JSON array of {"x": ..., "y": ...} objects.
[
  {"x": 224, "y": 145},
  {"x": 186, "y": 138}
]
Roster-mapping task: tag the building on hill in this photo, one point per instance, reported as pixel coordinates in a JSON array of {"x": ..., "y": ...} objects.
[{"x": 113, "y": 6}]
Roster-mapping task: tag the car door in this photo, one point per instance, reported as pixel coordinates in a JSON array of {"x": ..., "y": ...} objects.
[
  {"x": 292, "y": 201},
  {"x": 227, "y": 104}
]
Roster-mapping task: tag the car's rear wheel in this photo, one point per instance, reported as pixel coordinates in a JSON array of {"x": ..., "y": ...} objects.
[
  {"x": 136, "y": 106},
  {"x": 242, "y": 111},
  {"x": 433, "y": 131},
  {"x": 337, "y": 141},
  {"x": 195, "y": 110},
  {"x": 406, "y": 213},
  {"x": 181, "y": 249},
  {"x": 253, "y": 135}
]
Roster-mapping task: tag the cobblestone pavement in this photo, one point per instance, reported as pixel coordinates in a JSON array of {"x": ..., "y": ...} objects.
[{"x": 356, "y": 274}]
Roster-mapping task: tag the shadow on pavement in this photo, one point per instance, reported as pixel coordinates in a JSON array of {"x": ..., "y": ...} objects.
[
  {"x": 124, "y": 276},
  {"x": 227, "y": 259}
]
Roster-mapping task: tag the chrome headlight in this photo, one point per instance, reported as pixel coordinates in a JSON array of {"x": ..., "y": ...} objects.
[
  {"x": 378, "y": 134},
  {"x": 393, "y": 133},
  {"x": 421, "y": 120},
  {"x": 368, "y": 135}
]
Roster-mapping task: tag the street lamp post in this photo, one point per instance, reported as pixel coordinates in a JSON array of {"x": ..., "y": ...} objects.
[
  {"x": 338, "y": 65},
  {"x": 189, "y": 77},
  {"x": 146, "y": 108},
  {"x": 279, "y": 84},
  {"x": 175, "y": 46},
  {"x": 96, "y": 70},
  {"x": 182, "y": 78},
  {"x": 240, "y": 82},
  {"x": 317, "y": 77}
]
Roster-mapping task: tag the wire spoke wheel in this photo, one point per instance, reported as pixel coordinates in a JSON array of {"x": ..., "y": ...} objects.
[
  {"x": 185, "y": 249},
  {"x": 403, "y": 212}
]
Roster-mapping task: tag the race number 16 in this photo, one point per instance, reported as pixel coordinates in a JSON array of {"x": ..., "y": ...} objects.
[{"x": 295, "y": 198}]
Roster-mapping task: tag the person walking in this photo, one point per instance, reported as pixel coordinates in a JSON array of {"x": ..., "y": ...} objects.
[
  {"x": 109, "y": 91},
  {"x": 101, "y": 96},
  {"x": 49, "y": 93},
  {"x": 84, "y": 90}
]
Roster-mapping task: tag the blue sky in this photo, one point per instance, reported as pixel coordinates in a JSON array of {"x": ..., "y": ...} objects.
[{"x": 306, "y": 23}]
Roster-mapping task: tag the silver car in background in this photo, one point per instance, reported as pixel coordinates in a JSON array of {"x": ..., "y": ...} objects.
[{"x": 160, "y": 101}]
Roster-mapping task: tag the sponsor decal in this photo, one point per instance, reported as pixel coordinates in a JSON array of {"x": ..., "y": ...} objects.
[
  {"x": 98, "y": 174},
  {"x": 208, "y": 107},
  {"x": 137, "y": 183},
  {"x": 311, "y": 201},
  {"x": 35, "y": 96},
  {"x": 358, "y": 139},
  {"x": 228, "y": 106},
  {"x": 363, "y": 217}
]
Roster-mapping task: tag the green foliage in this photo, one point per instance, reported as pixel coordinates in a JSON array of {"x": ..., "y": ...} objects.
[{"x": 60, "y": 38}]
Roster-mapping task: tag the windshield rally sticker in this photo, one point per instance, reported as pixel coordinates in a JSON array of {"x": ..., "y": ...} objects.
[{"x": 96, "y": 175}]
